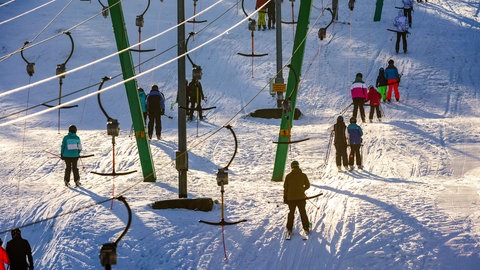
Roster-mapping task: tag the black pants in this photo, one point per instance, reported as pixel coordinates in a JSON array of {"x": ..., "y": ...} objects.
[
  {"x": 403, "y": 36},
  {"x": 355, "y": 155},
  {"x": 154, "y": 120},
  {"x": 193, "y": 108},
  {"x": 374, "y": 109},
  {"x": 71, "y": 166},
  {"x": 341, "y": 155},
  {"x": 358, "y": 104},
  {"x": 292, "y": 205},
  {"x": 271, "y": 21},
  {"x": 407, "y": 12}
]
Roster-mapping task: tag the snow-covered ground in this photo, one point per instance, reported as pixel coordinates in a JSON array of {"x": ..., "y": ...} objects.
[{"x": 415, "y": 206}]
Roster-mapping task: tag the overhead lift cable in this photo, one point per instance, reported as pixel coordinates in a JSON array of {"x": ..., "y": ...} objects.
[
  {"x": 116, "y": 84},
  {"x": 119, "y": 52},
  {"x": 4, "y": 57},
  {"x": 6, "y": 3},
  {"x": 26, "y": 12}
]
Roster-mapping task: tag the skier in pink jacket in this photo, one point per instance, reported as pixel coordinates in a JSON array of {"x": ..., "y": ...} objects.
[{"x": 359, "y": 96}]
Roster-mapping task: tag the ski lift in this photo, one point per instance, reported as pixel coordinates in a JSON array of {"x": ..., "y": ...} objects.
[
  {"x": 60, "y": 72},
  {"x": 30, "y": 66},
  {"x": 287, "y": 110},
  {"x": 252, "y": 27},
  {"x": 194, "y": 13},
  {"x": 113, "y": 129},
  {"x": 105, "y": 9},
  {"x": 196, "y": 69},
  {"x": 139, "y": 22},
  {"x": 222, "y": 180},
  {"x": 108, "y": 252},
  {"x": 322, "y": 32},
  {"x": 293, "y": 14}
]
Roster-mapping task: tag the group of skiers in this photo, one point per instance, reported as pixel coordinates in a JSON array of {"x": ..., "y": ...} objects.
[
  {"x": 387, "y": 82},
  {"x": 269, "y": 9},
  {"x": 18, "y": 253}
]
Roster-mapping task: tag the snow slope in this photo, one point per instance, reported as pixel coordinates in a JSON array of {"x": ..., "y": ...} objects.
[{"x": 415, "y": 206}]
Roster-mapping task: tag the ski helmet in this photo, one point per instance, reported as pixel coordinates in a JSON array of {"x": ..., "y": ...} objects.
[
  {"x": 140, "y": 89},
  {"x": 295, "y": 164},
  {"x": 353, "y": 120},
  {"x": 72, "y": 129},
  {"x": 359, "y": 75},
  {"x": 390, "y": 62},
  {"x": 381, "y": 70},
  {"x": 154, "y": 87},
  {"x": 340, "y": 119}
]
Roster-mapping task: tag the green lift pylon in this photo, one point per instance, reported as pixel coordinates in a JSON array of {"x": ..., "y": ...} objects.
[
  {"x": 128, "y": 72},
  {"x": 296, "y": 64}
]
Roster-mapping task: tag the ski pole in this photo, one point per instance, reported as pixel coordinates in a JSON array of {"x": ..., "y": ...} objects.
[{"x": 318, "y": 207}]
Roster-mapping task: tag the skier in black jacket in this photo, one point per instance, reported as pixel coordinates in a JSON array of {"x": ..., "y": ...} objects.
[
  {"x": 155, "y": 109},
  {"x": 19, "y": 251},
  {"x": 196, "y": 96},
  {"x": 340, "y": 142}
]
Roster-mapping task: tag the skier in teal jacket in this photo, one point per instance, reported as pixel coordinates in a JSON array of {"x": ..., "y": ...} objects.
[{"x": 70, "y": 152}]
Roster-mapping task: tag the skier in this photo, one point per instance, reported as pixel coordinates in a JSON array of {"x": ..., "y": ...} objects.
[
  {"x": 355, "y": 134},
  {"x": 155, "y": 109},
  {"x": 3, "y": 256},
  {"x": 393, "y": 79},
  {"x": 143, "y": 102},
  {"x": 351, "y": 4},
  {"x": 271, "y": 14},
  {"x": 19, "y": 251},
  {"x": 401, "y": 27},
  {"x": 374, "y": 98},
  {"x": 70, "y": 152},
  {"x": 359, "y": 96},
  {"x": 296, "y": 182},
  {"x": 407, "y": 10},
  {"x": 381, "y": 84},
  {"x": 196, "y": 95},
  {"x": 340, "y": 142},
  {"x": 261, "y": 14}
]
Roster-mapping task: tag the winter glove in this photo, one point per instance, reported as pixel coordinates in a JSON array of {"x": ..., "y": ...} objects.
[{"x": 162, "y": 111}]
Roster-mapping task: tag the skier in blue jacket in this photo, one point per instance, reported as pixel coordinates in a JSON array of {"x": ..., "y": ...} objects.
[
  {"x": 70, "y": 152},
  {"x": 355, "y": 134}
]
